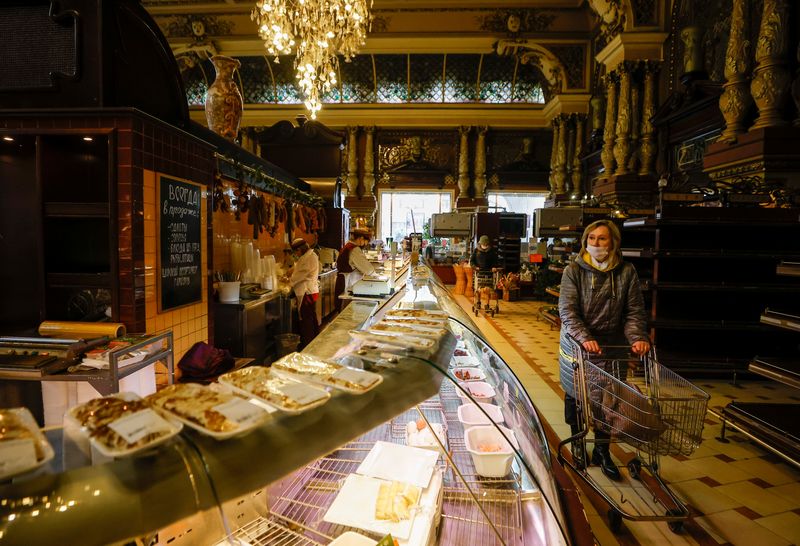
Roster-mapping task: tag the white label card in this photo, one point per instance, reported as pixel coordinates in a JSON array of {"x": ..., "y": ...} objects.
[
  {"x": 240, "y": 412},
  {"x": 302, "y": 394},
  {"x": 137, "y": 425},
  {"x": 363, "y": 379},
  {"x": 16, "y": 455}
]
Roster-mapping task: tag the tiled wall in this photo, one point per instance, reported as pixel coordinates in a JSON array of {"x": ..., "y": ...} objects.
[{"x": 189, "y": 324}]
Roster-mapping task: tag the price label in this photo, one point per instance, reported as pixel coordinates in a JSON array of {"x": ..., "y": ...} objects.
[
  {"x": 362, "y": 379},
  {"x": 303, "y": 394},
  {"x": 240, "y": 412},
  {"x": 16, "y": 455},
  {"x": 135, "y": 426}
]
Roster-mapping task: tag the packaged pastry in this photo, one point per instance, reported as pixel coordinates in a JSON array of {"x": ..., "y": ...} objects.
[
  {"x": 412, "y": 344},
  {"x": 214, "y": 413},
  {"x": 23, "y": 447},
  {"x": 427, "y": 314},
  {"x": 122, "y": 424},
  {"x": 418, "y": 322},
  {"x": 395, "y": 328},
  {"x": 282, "y": 392},
  {"x": 308, "y": 367}
]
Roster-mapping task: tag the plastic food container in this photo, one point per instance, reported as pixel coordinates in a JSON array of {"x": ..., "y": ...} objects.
[
  {"x": 469, "y": 374},
  {"x": 350, "y": 538},
  {"x": 471, "y": 414},
  {"x": 23, "y": 447},
  {"x": 480, "y": 391},
  {"x": 489, "y": 464}
]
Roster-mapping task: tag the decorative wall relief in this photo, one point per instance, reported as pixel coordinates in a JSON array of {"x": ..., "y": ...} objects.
[
  {"x": 409, "y": 157},
  {"x": 645, "y": 12},
  {"x": 692, "y": 37},
  {"x": 612, "y": 19},
  {"x": 771, "y": 79},
  {"x": 516, "y": 21},
  {"x": 573, "y": 59},
  {"x": 736, "y": 98}
]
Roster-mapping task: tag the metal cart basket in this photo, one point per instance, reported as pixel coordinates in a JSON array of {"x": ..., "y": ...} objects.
[
  {"x": 657, "y": 413},
  {"x": 485, "y": 290}
]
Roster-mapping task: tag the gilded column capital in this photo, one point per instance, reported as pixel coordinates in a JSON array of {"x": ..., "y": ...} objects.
[{"x": 771, "y": 78}]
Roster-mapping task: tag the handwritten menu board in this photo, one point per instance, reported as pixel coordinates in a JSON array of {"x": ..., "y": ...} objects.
[{"x": 179, "y": 266}]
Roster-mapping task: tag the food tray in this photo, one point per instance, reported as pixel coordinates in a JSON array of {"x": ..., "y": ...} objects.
[
  {"x": 309, "y": 368},
  {"x": 469, "y": 374},
  {"x": 427, "y": 314},
  {"x": 395, "y": 462},
  {"x": 351, "y": 538},
  {"x": 279, "y": 391},
  {"x": 480, "y": 391},
  {"x": 418, "y": 438},
  {"x": 470, "y": 414},
  {"x": 411, "y": 330},
  {"x": 464, "y": 361},
  {"x": 23, "y": 447},
  {"x": 215, "y": 414},
  {"x": 418, "y": 345},
  {"x": 422, "y": 325},
  {"x": 494, "y": 464},
  {"x": 146, "y": 419}
]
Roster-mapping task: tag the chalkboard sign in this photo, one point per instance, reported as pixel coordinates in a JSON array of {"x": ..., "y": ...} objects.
[{"x": 180, "y": 280}]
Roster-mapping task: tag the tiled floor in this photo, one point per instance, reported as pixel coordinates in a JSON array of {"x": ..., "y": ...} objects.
[{"x": 737, "y": 492}]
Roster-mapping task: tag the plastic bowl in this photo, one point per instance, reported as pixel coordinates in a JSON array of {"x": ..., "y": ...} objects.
[
  {"x": 496, "y": 464},
  {"x": 480, "y": 391},
  {"x": 471, "y": 415}
]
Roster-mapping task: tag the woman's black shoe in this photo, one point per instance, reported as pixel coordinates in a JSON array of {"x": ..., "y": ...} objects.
[{"x": 602, "y": 458}]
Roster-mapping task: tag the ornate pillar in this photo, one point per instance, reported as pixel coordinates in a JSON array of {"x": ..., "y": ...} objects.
[
  {"x": 636, "y": 117},
  {"x": 647, "y": 146},
  {"x": 736, "y": 97},
  {"x": 352, "y": 161},
  {"x": 480, "y": 163},
  {"x": 577, "y": 166},
  {"x": 553, "y": 153},
  {"x": 692, "y": 38},
  {"x": 463, "y": 161},
  {"x": 369, "y": 161},
  {"x": 560, "y": 178},
  {"x": 607, "y": 155},
  {"x": 796, "y": 89},
  {"x": 622, "y": 144},
  {"x": 771, "y": 78},
  {"x": 597, "y": 106},
  {"x": 570, "y": 155}
]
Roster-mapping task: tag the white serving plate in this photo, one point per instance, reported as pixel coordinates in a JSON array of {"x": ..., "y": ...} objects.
[
  {"x": 10, "y": 453},
  {"x": 395, "y": 462},
  {"x": 480, "y": 391},
  {"x": 475, "y": 374},
  {"x": 249, "y": 415},
  {"x": 470, "y": 414},
  {"x": 294, "y": 389},
  {"x": 174, "y": 427}
]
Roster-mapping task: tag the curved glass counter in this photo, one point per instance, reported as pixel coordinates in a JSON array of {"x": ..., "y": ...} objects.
[{"x": 276, "y": 484}]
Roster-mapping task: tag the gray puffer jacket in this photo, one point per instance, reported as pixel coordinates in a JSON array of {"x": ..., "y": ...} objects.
[{"x": 606, "y": 306}]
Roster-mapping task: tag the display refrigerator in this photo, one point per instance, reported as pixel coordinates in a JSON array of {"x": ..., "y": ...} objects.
[{"x": 447, "y": 433}]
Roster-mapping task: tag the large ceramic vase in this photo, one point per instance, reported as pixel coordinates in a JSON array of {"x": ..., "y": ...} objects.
[{"x": 223, "y": 99}]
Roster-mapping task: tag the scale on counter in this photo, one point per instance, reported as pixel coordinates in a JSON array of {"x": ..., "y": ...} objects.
[{"x": 372, "y": 286}]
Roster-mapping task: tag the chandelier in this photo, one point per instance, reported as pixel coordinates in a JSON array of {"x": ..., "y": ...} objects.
[{"x": 317, "y": 30}]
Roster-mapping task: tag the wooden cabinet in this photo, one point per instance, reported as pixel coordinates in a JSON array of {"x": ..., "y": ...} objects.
[
  {"x": 710, "y": 273},
  {"x": 248, "y": 328}
]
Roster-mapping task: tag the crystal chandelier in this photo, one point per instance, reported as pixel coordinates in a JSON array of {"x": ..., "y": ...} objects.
[{"x": 318, "y": 30}]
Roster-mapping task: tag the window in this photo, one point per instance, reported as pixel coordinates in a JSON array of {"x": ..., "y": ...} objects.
[
  {"x": 518, "y": 202},
  {"x": 404, "y": 212}
]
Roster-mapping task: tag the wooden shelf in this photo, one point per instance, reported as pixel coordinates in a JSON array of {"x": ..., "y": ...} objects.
[
  {"x": 90, "y": 280},
  {"x": 76, "y": 210},
  {"x": 781, "y": 320},
  {"x": 791, "y": 269}
]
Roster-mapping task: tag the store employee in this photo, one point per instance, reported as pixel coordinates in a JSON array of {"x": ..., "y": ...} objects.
[
  {"x": 352, "y": 264},
  {"x": 304, "y": 278}
]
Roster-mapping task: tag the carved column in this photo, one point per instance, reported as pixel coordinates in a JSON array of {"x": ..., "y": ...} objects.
[
  {"x": 647, "y": 147},
  {"x": 570, "y": 155},
  {"x": 796, "y": 89},
  {"x": 622, "y": 144},
  {"x": 771, "y": 78},
  {"x": 577, "y": 166},
  {"x": 480, "y": 163},
  {"x": 369, "y": 161},
  {"x": 463, "y": 162},
  {"x": 736, "y": 97},
  {"x": 692, "y": 38},
  {"x": 636, "y": 117},
  {"x": 553, "y": 153},
  {"x": 561, "y": 156},
  {"x": 597, "y": 115},
  {"x": 352, "y": 161},
  {"x": 607, "y": 155}
]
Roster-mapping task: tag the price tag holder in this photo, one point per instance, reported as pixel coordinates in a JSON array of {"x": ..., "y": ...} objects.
[
  {"x": 16, "y": 455},
  {"x": 302, "y": 394},
  {"x": 240, "y": 412},
  {"x": 135, "y": 426}
]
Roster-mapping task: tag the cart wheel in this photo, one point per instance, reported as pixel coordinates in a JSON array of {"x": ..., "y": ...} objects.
[
  {"x": 675, "y": 526},
  {"x": 635, "y": 468},
  {"x": 614, "y": 521}
]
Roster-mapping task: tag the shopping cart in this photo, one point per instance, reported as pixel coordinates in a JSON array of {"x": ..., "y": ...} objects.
[
  {"x": 656, "y": 412},
  {"x": 484, "y": 292}
]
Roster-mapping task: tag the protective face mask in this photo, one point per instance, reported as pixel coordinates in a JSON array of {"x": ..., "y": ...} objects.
[{"x": 599, "y": 253}]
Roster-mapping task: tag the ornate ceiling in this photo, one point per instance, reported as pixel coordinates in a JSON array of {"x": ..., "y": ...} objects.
[{"x": 445, "y": 62}]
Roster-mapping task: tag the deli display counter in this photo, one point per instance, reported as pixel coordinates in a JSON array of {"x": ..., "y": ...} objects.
[{"x": 446, "y": 433}]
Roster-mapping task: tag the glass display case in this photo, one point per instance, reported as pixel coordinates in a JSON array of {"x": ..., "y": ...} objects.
[{"x": 478, "y": 454}]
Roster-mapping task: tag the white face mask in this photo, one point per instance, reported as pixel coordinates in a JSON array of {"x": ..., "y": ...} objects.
[{"x": 599, "y": 253}]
